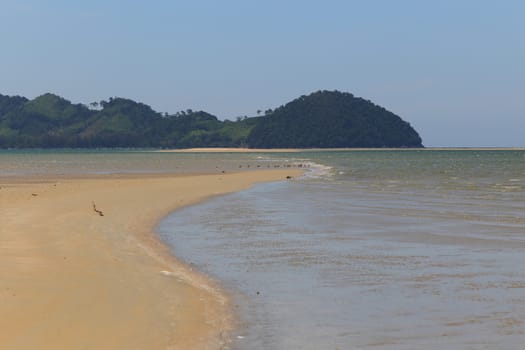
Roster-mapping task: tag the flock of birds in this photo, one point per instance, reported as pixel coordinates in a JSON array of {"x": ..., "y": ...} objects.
[{"x": 287, "y": 165}]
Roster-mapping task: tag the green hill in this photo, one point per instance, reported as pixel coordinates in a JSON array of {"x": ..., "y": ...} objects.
[
  {"x": 322, "y": 119},
  {"x": 327, "y": 119}
]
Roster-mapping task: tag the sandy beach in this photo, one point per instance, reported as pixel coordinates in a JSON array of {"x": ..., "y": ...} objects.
[{"x": 73, "y": 279}]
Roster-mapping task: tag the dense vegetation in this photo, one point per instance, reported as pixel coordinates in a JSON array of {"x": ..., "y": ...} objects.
[
  {"x": 322, "y": 119},
  {"x": 332, "y": 119}
]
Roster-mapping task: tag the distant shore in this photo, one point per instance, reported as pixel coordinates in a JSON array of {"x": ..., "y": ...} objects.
[
  {"x": 293, "y": 150},
  {"x": 81, "y": 266},
  {"x": 231, "y": 150}
]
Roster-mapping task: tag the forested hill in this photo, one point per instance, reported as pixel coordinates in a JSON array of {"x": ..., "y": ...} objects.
[
  {"x": 332, "y": 119},
  {"x": 322, "y": 119}
]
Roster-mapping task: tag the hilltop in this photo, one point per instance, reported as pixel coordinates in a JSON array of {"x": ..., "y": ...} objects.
[{"x": 322, "y": 119}]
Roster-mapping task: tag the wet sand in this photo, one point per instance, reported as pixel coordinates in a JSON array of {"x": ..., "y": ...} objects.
[{"x": 71, "y": 278}]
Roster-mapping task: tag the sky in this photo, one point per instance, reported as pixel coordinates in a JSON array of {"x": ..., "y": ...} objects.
[{"x": 454, "y": 69}]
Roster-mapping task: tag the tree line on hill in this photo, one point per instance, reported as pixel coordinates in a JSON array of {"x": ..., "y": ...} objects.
[{"x": 319, "y": 120}]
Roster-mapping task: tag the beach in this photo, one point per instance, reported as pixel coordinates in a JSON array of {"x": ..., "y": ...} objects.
[
  {"x": 81, "y": 265},
  {"x": 365, "y": 250}
]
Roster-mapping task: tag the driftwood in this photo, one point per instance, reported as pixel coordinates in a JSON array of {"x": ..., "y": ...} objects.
[{"x": 99, "y": 212}]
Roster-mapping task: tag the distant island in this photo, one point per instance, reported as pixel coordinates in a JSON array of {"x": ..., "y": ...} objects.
[{"x": 323, "y": 119}]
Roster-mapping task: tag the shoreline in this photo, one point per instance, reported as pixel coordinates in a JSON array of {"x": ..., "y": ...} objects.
[
  {"x": 298, "y": 150},
  {"x": 231, "y": 150},
  {"x": 71, "y": 278}
]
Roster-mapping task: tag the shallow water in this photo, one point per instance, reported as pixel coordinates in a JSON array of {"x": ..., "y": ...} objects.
[
  {"x": 375, "y": 250},
  {"x": 95, "y": 162}
]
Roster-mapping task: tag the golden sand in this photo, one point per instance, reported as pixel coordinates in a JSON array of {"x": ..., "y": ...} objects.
[{"x": 73, "y": 279}]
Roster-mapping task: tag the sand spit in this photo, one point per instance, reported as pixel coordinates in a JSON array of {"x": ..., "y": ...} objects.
[{"x": 81, "y": 267}]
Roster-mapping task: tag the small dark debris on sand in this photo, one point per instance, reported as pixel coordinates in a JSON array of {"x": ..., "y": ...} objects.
[{"x": 99, "y": 212}]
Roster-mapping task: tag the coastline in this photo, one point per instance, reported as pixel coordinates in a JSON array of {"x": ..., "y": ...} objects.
[
  {"x": 230, "y": 150},
  {"x": 71, "y": 278},
  {"x": 297, "y": 150}
]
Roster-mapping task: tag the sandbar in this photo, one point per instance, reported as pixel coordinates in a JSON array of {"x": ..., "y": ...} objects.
[{"x": 71, "y": 278}]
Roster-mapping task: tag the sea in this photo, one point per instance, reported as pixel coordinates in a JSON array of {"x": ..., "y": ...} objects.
[{"x": 369, "y": 249}]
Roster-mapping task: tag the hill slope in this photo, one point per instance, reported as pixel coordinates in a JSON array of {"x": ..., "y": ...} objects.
[
  {"x": 322, "y": 119},
  {"x": 332, "y": 119}
]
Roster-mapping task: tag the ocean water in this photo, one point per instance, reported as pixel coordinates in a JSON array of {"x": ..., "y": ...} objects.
[
  {"x": 43, "y": 162},
  {"x": 370, "y": 250}
]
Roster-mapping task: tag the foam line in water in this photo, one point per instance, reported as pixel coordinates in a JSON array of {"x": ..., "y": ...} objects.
[{"x": 317, "y": 171}]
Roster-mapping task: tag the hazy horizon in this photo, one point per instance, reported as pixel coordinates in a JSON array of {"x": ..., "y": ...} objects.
[{"x": 452, "y": 70}]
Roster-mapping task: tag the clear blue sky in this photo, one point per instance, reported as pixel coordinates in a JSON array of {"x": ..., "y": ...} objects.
[{"x": 454, "y": 69}]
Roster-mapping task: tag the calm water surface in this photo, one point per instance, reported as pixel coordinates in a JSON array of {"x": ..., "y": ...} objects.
[
  {"x": 71, "y": 162},
  {"x": 371, "y": 250}
]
